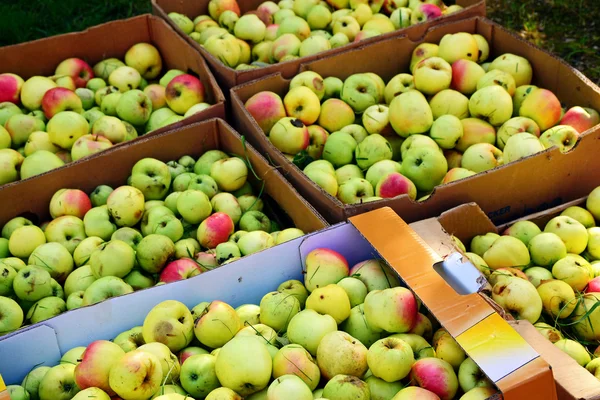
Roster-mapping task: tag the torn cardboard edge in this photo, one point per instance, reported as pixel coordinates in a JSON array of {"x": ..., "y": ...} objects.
[{"x": 573, "y": 382}]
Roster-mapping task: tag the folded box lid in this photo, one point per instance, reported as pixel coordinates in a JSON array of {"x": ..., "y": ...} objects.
[{"x": 502, "y": 354}]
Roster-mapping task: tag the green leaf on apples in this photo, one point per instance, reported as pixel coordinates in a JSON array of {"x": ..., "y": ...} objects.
[{"x": 302, "y": 159}]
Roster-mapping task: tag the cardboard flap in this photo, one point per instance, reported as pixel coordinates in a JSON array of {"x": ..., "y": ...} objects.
[
  {"x": 477, "y": 328},
  {"x": 35, "y": 347}
]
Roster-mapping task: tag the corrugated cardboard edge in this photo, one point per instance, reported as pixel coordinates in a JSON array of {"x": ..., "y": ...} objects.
[
  {"x": 229, "y": 77},
  {"x": 407, "y": 253},
  {"x": 573, "y": 382},
  {"x": 148, "y": 27},
  {"x": 447, "y": 197}
]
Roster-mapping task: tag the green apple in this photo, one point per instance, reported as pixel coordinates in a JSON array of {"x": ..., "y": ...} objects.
[
  {"x": 470, "y": 376},
  {"x": 538, "y": 274},
  {"x": 355, "y": 289},
  {"x": 168, "y": 361},
  {"x": 32, "y": 283},
  {"x": 97, "y": 223},
  {"x": 153, "y": 252},
  {"x": 371, "y": 150},
  {"x": 252, "y": 361},
  {"x": 295, "y": 288},
  {"x": 66, "y": 230},
  {"x": 507, "y": 251},
  {"x": 571, "y": 232},
  {"x": 481, "y": 243},
  {"x": 24, "y": 240},
  {"x": 410, "y": 113},
  {"x": 519, "y": 297},
  {"x": 339, "y": 353},
  {"x": 390, "y": 359},
  {"x": 105, "y": 288},
  {"x": 32, "y": 381},
  {"x": 277, "y": 309},
  {"x": 575, "y": 350},
  {"x": 66, "y": 127},
  {"x": 230, "y": 173},
  {"x": 128, "y": 235},
  {"x": 100, "y": 194},
  {"x": 116, "y": 258},
  {"x": 356, "y": 325},
  {"x": 205, "y": 184},
  {"x": 331, "y": 299},
  {"x": 126, "y": 205},
  {"x": 75, "y": 300},
  {"x": 282, "y": 386},
  {"x": 169, "y": 323},
  {"x": 58, "y": 383},
  {"x": 54, "y": 258},
  {"x": 446, "y": 131},
  {"x": 248, "y": 314},
  {"x": 16, "y": 392},
  {"x": 194, "y": 206},
  {"x": 255, "y": 241},
  {"x": 426, "y": 167},
  {"x": 580, "y": 214},
  {"x": 198, "y": 376},
  {"x": 308, "y": 327},
  {"x": 524, "y": 231},
  {"x": 215, "y": 323},
  {"x": 249, "y": 202},
  {"x": 84, "y": 250},
  {"x": 130, "y": 340},
  {"x": 12, "y": 315},
  {"x": 7, "y": 276},
  {"x": 574, "y": 270}
]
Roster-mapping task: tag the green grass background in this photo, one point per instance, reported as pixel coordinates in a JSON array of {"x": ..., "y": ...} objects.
[{"x": 569, "y": 28}]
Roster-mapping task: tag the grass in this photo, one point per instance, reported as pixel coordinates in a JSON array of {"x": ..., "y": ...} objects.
[
  {"x": 568, "y": 28},
  {"x": 26, "y": 20}
]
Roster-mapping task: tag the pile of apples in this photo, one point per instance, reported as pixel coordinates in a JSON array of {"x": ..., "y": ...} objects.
[
  {"x": 346, "y": 333},
  {"x": 452, "y": 116},
  {"x": 170, "y": 222},
  {"x": 46, "y": 122},
  {"x": 550, "y": 278},
  {"x": 284, "y": 31}
]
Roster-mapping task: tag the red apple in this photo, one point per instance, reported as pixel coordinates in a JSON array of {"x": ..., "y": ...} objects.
[
  {"x": 60, "y": 99},
  {"x": 593, "y": 285},
  {"x": 183, "y": 92},
  {"x": 10, "y": 88},
  {"x": 580, "y": 118},
  {"x": 178, "y": 270},
  {"x": 215, "y": 229},
  {"x": 395, "y": 184},
  {"x": 266, "y": 108},
  {"x": 70, "y": 202},
  {"x": 77, "y": 69}
]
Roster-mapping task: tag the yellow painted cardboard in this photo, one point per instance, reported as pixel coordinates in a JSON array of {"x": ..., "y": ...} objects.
[{"x": 502, "y": 354}]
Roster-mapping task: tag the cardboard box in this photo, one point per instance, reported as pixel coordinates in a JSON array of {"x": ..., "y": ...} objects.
[
  {"x": 507, "y": 359},
  {"x": 113, "y": 39},
  {"x": 573, "y": 382},
  {"x": 30, "y": 198},
  {"x": 505, "y": 193},
  {"x": 229, "y": 77}
]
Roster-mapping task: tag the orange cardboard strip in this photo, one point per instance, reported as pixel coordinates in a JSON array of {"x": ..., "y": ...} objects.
[{"x": 489, "y": 340}]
